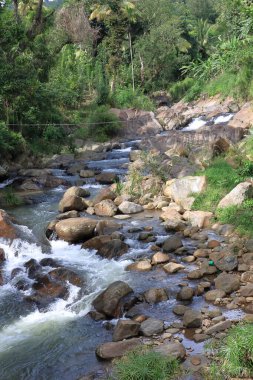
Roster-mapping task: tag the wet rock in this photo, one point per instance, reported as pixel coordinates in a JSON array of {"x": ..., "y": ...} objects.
[
  {"x": 108, "y": 301},
  {"x": 201, "y": 219},
  {"x": 106, "y": 178},
  {"x": 106, "y": 246},
  {"x": 127, "y": 207},
  {"x": 72, "y": 202},
  {"x": 151, "y": 327},
  {"x": 213, "y": 295},
  {"x": 15, "y": 272},
  {"x": 221, "y": 326},
  {"x": 33, "y": 268},
  {"x": 172, "y": 243},
  {"x": 192, "y": 319},
  {"x": 181, "y": 190},
  {"x": 175, "y": 350},
  {"x": 75, "y": 230},
  {"x": 238, "y": 195},
  {"x": 105, "y": 208},
  {"x": 47, "y": 290},
  {"x": 50, "y": 229},
  {"x": 227, "y": 282},
  {"x": 185, "y": 294},
  {"x": 96, "y": 315},
  {"x": 77, "y": 191},
  {"x": 198, "y": 338},
  {"x": 155, "y": 295},
  {"x": 2, "y": 256},
  {"x": 87, "y": 173},
  {"x": 64, "y": 274},
  {"x": 173, "y": 267},
  {"x": 146, "y": 236},
  {"x": 111, "y": 350},
  {"x": 180, "y": 309},
  {"x": 1, "y": 278},
  {"x": 68, "y": 214},
  {"x": 160, "y": 258},
  {"x": 224, "y": 261},
  {"x": 125, "y": 329},
  {"x": 104, "y": 194},
  {"x": 7, "y": 228},
  {"x": 49, "y": 262},
  {"x": 141, "y": 266},
  {"x": 195, "y": 274}
]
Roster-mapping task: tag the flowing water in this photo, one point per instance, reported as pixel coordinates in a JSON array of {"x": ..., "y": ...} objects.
[{"x": 59, "y": 341}]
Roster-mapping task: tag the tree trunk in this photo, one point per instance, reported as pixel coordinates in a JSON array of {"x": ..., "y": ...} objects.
[
  {"x": 142, "y": 69},
  {"x": 131, "y": 55},
  {"x": 37, "y": 20},
  {"x": 15, "y": 5}
]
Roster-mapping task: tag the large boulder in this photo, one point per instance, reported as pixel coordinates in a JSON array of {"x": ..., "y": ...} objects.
[
  {"x": 105, "y": 208},
  {"x": 181, "y": 190},
  {"x": 111, "y": 350},
  {"x": 127, "y": 207},
  {"x": 201, "y": 219},
  {"x": 64, "y": 274},
  {"x": 108, "y": 302},
  {"x": 125, "y": 329},
  {"x": 106, "y": 246},
  {"x": 75, "y": 230},
  {"x": 224, "y": 261},
  {"x": 155, "y": 295},
  {"x": 152, "y": 326},
  {"x": 106, "y": 193},
  {"x": 243, "y": 118},
  {"x": 46, "y": 290},
  {"x": 7, "y": 228},
  {"x": 106, "y": 177},
  {"x": 172, "y": 243},
  {"x": 73, "y": 199},
  {"x": 238, "y": 195},
  {"x": 174, "y": 350},
  {"x": 227, "y": 282},
  {"x": 192, "y": 319}
]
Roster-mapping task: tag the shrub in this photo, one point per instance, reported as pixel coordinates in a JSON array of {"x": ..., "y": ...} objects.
[
  {"x": 235, "y": 354},
  {"x": 102, "y": 124},
  {"x": 125, "y": 97},
  {"x": 146, "y": 366},
  {"x": 11, "y": 143},
  {"x": 179, "y": 89}
]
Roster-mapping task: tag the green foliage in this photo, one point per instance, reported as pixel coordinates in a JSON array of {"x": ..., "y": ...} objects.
[
  {"x": 125, "y": 97},
  {"x": 10, "y": 198},
  {"x": 102, "y": 124},
  {"x": 146, "y": 366},
  {"x": 239, "y": 216},
  {"x": 234, "y": 354},
  {"x": 11, "y": 143},
  {"x": 153, "y": 165},
  {"x": 179, "y": 89}
]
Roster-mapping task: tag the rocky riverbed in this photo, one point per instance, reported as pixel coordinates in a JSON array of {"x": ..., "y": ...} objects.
[{"x": 107, "y": 260}]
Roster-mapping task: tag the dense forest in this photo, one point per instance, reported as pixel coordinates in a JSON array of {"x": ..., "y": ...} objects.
[{"x": 60, "y": 62}]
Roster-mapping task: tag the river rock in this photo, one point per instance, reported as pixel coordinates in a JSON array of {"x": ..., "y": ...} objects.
[
  {"x": 185, "y": 294},
  {"x": 64, "y": 274},
  {"x": 151, "y": 326},
  {"x": 105, "y": 208},
  {"x": 224, "y": 261},
  {"x": 111, "y": 350},
  {"x": 249, "y": 245},
  {"x": 77, "y": 191},
  {"x": 221, "y": 326},
  {"x": 75, "y": 230},
  {"x": 71, "y": 202},
  {"x": 33, "y": 268},
  {"x": 201, "y": 219},
  {"x": 47, "y": 290},
  {"x": 160, "y": 258},
  {"x": 195, "y": 274},
  {"x": 181, "y": 190},
  {"x": 125, "y": 329},
  {"x": 180, "y": 309},
  {"x": 68, "y": 214},
  {"x": 247, "y": 258},
  {"x": 238, "y": 195},
  {"x": 109, "y": 300},
  {"x": 170, "y": 213},
  {"x": 192, "y": 319},
  {"x": 49, "y": 262},
  {"x": 155, "y": 295},
  {"x": 87, "y": 173},
  {"x": 214, "y": 294},
  {"x": 106, "y": 193},
  {"x": 106, "y": 246},
  {"x": 2, "y": 256},
  {"x": 106, "y": 178},
  {"x": 127, "y": 207},
  {"x": 7, "y": 228},
  {"x": 247, "y": 291},
  {"x": 227, "y": 282},
  {"x": 141, "y": 266},
  {"x": 174, "y": 350},
  {"x": 173, "y": 267},
  {"x": 247, "y": 276},
  {"x": 172, "y": 243}
]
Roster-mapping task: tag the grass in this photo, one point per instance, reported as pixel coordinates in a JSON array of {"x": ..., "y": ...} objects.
[
  {"x": 221, "y": 179},
  {"x": 146, "y": 365},
  {"x": 10, "y": 198},
  {"x": 234, "y": 355}
]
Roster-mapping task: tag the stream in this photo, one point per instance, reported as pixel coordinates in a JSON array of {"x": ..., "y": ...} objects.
[{"x": 59, "y": 342}]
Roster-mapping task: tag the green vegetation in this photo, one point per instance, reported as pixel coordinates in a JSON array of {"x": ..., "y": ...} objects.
[
  {"x": 221, "y": 179},
  {"x": 10, "y": 198},
  {"x": 146, "y": 366},
  {"x": 234, "y": 355}
]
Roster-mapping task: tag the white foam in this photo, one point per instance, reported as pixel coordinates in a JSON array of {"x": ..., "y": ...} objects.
[
  {"x": 223, "y": 118},
  {"x": 195, "y": 125}
]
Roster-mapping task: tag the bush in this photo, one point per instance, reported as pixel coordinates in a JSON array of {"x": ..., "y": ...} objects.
[
  {"x": 125, "y": 97},
  {"x": 102, "y": 124},
  {"x": 179, "y": 89},
  {"x": 11, "y": 143},
  {"x": 235, "y": 354},
  {"x": 146, "y": 366}
]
